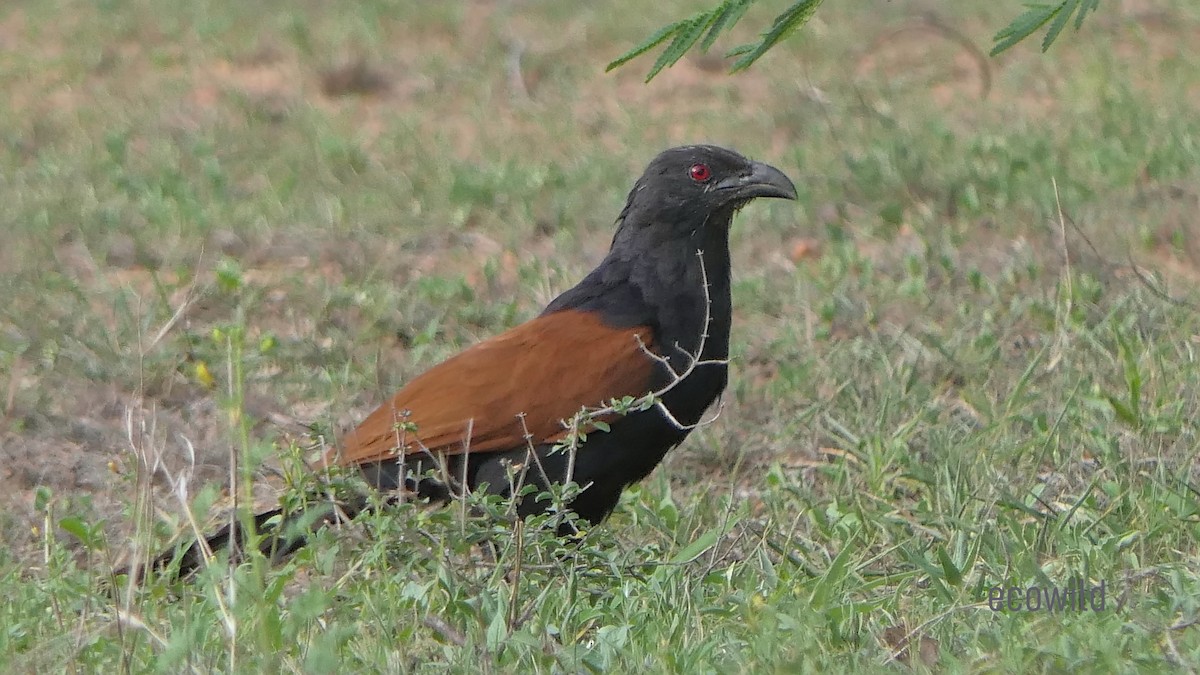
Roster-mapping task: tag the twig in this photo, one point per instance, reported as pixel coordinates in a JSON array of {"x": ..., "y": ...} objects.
[
  {"x": 654, "y": 398},
  {"x": 179, "y": 487},
  {"x": 1060, "y": 336},
  {"x": 1184, "y": 623},
  {"x": 1156, "y": 290},
  {"x": 124, "y": 618},
  {"x": 439, "y": 626},
  {"x": 515, "y": 583},
  {"x": 14, "y": 378},
  {"x": 1173, "y": 655},
  {"x": 931, "y": 23},
  {"x": 514, "y": 50},
  {"x": 907, "y": 639},
  {"x": 189, "y": 298}
]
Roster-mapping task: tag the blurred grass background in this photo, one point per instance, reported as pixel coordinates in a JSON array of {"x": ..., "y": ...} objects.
[{"x": 965, "y": 358}]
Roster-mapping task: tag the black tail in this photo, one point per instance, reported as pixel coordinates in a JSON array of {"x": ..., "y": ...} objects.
[{"x": 282, "y": 534}]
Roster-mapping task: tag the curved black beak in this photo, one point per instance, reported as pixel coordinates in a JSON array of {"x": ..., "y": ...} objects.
[{"x": 763, "y": 180}]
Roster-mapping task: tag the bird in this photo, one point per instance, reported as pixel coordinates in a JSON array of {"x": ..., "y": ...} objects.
[{"x": 596, "y": 389}]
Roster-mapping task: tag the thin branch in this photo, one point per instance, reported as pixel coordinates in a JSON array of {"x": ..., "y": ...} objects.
[
  {"x": 448, "y": 632},
  {"x": 654, "y": 398},
  {"x": 1155, "y": 288},
  {"x": 929, "y": 22},
  {"x": 1060, "y": 334}
]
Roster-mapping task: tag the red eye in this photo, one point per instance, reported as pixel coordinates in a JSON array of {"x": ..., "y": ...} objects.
[{"x": 699, "y": 172}]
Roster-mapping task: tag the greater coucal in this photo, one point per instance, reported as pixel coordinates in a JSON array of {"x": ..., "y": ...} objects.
[{"x": 652, "y": 318}]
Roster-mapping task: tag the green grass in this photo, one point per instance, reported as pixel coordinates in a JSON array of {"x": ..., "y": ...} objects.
[{"x": 982, "y": 372}]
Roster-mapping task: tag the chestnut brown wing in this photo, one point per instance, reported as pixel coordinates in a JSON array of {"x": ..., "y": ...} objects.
[{"x": 545, "y": 369}]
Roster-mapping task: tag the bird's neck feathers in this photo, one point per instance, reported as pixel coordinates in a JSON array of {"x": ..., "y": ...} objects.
[
  {"x": 668, "y": 268},
  {"x": 654, "y": 275}
]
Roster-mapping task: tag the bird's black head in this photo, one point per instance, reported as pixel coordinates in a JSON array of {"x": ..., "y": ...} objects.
[
  {"x": 653, "y": 276},
  {"x": 686, "y": 186}
]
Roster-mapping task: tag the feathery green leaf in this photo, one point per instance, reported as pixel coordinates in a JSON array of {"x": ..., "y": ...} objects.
[
  {"x": 785, "y": 24},
  {"x": 1036, "y": 16}
]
